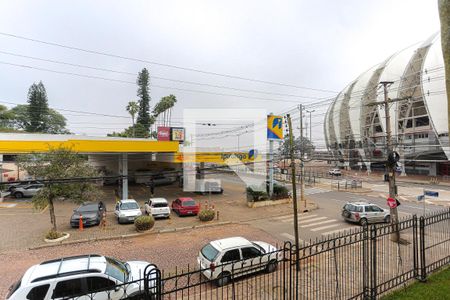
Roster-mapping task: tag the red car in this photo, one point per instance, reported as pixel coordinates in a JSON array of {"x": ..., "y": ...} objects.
[{"x": 185, "y": 206}]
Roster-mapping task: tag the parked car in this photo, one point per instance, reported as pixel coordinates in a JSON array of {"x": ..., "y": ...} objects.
[
  {"x": 365, "y": 213},
  {"x": 220, "y": 260},
  {"x": 206, "y": 186},
  {"x": 185, "y": 206},
  {"x": 335, "y": 172},
  {"x": 92, "y": 213},
  {"x": 26, "y": 190},
  {"x": 127, "y": 211},
  {"x": 157, "y": 207},
  {"x": 160, "y": 180},
  {"x": 12, "y": 186},
  {"x": 98, "y": 276}
]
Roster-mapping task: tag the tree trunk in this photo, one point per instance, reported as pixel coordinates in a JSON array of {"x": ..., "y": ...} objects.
[{"x": 51, "y": 210}]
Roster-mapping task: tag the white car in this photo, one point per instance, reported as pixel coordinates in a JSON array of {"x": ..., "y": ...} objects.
[
  {"x": 236, "y": 256},
  {"x": 127, "y": 211},
  {"x": 82, "y": 277},
  {"x": 335, "y": 172},
  {"x": 157, "y": 207}
]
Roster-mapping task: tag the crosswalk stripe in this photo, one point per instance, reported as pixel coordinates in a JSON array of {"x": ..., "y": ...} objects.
[
  {"x": 291, "y": 219},
  {"x": 312, "y": 220},
  {"x": 318, "y": 223},
  {"x": 324, "y": 227},
  {"x": 339, "y": 230},
  {"x": 292, "y": 238},
  {"x": 289, "y": 216}
]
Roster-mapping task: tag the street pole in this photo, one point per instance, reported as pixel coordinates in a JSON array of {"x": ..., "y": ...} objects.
[
  {"x": 310, "y": 124},
  {"x": 302, "y": 185},
  {"x": 294, "y": 192},
  {"x": 390, "y": 168}
]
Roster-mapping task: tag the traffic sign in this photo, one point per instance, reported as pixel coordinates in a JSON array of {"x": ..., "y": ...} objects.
[
  {"x": 420, "y": 197},
  {"x": 391, "y": 202},
  {"x": 431, "y": 193}
]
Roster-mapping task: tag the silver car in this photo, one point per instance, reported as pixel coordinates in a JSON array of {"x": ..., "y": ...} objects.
[
  {"x": 365, "y": 213},
  {"x": 26, "y": 191}
]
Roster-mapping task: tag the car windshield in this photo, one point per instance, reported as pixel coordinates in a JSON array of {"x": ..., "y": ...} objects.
[
  {"x": 129, "y": 205},
  {"x": 91, "y": 207},
  {"x": 259, "y": 247},
  {"x": 13, "y": 288},
  {"x": 209, "y": 252},
  {"x": 189, "y": 203},
  {"x": 116, "y": 269},
  {"x": 159, "y": 205}
]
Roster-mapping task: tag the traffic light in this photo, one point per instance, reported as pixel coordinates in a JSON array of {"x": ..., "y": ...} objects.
[{"x": 393, "y": 158}]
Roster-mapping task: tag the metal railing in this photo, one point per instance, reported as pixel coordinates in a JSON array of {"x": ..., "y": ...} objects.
[{"x": 361, "y": 263}]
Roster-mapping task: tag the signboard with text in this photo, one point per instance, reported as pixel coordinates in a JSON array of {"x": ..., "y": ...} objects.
[
  {"x": 163, "y": 133},
  {"x": 177, "y": 134}
]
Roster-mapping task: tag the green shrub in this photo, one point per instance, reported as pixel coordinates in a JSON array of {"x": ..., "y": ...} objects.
[
  {"x": 206, "y": 215},
  {"x": 256, "y": 195},
  {"x": 280, "y": 191},
  {"x": 53, "y": 235},
  {"x": 143, "y": 223}
]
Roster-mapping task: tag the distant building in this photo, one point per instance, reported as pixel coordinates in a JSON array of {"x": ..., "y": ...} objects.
[{"x": 355, "y": 131}]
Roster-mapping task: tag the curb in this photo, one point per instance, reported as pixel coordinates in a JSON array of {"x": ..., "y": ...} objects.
[{"x": 130, "y": 235}]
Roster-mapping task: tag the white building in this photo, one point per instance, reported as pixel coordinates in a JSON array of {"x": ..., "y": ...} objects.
[{"x": 355, "y": 130}]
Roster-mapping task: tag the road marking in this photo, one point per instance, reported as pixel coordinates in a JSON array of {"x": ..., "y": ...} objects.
[
  {"x": 9, "y": 205},
  {"x": 312, "y": 220},
  {"x": 402, "y": 198},
  {"x": 291, "y": 218},
  {"x": 292, "y": 238},
  {"x": 383, "y": 195},
  {"x": 339, "y": 230},
  {"x": 318, "y": 223},
  {"x": 325, "y": 227}
]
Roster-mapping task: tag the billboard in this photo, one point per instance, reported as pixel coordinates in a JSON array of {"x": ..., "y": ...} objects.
[
  {"x": 163, "y": 133},
  {"x": 274, "y": 127},
  {"x": 177, "y": 134}
]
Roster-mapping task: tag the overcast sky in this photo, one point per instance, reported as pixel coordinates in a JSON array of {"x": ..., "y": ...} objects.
[{"x": 315, "y": 44}]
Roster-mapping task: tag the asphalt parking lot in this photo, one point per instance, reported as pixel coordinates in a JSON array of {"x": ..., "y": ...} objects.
[{"x": 22, "y": 227}]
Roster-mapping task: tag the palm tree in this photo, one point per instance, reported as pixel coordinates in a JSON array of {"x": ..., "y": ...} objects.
[{"x": 132, "y": 109}]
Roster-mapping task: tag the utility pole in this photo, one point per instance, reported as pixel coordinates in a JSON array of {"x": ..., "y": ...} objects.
[
  {"x": 302, "y": 184},
  {"x": 390, "y": 168},
  {"x": 294, "y": 192}
]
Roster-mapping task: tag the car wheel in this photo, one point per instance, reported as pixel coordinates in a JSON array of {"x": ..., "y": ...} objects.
[
  {"x": 223, "y": 279},
  {"x": 118, "y": 221},
  {"x": 18, "y": 195},
  {"x": 363, "y": 222},
  {"x": 271, "y": 266},
  {"x": 387, "y": 219}
]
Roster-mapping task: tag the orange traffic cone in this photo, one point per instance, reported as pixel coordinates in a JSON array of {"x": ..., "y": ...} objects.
[{"x": 80, "y": 224}]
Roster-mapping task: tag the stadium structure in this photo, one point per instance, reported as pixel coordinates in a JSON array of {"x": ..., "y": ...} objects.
[{"x": 355, "y": 128}]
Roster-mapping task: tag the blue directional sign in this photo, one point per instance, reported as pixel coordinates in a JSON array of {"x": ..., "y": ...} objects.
[{"x": 431, "y": 193}]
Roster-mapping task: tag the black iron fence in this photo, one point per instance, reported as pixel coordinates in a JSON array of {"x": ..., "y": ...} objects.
[{"x": 363, "y": 263}]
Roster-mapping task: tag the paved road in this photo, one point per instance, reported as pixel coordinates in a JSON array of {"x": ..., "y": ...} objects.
[{"x": 326, "y": 220}]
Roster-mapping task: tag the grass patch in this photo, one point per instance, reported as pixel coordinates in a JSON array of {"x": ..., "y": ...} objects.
[{"x": 437, "y": 287}]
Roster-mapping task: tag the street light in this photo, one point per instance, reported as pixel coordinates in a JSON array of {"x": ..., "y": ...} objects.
[{"x": 310, "y": 124}]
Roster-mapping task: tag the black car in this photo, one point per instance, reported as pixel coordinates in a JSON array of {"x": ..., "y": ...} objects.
[{"x": 92, "y": 213}]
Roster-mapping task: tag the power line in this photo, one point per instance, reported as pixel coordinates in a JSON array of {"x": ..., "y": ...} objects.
[
  {"x": 155, "y": 77},
  {"x": 160, "y": 64},
  {"x": 152, "y": 85}
]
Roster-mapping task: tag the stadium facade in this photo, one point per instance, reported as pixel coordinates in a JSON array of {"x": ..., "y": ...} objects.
[{"x": 355, "y": 129}]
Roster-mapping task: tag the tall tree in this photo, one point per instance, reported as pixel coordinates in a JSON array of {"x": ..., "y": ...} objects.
[
  {"x": 164, "y": 107},
  {"x": 60, "y": 163},
  {"x": 55, "y": 122},
  {"x": 5, "y": 117},
  {"x": 300, "y": 146},
  {"x": 143, "y": 93},
  {"x": 444, "y": 15},
  {"x": 37, "y": 108},
  {"x": 133, "y": 108}
]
